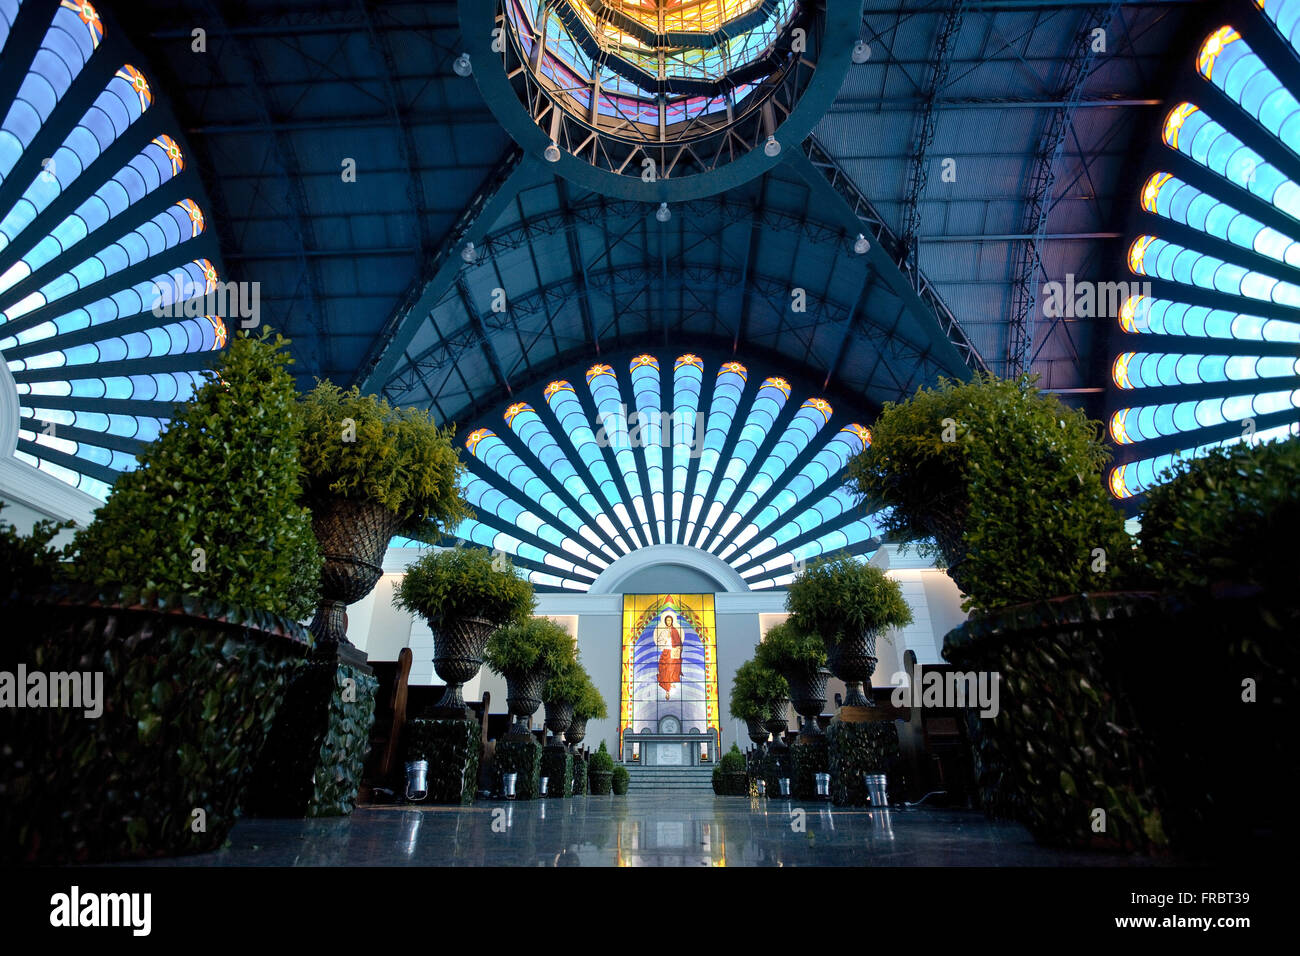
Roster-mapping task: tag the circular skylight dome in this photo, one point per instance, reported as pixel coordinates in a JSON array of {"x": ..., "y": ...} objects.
[{"x": 660, "y": 90}]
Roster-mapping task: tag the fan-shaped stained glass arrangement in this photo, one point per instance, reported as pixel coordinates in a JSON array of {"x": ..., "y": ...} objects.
[
  {"x": 104, "y": 259},
  {"x": 686, "y": 84},
  {"x": 676, "y": 453},
  {"x": 1216, "y": 350}
]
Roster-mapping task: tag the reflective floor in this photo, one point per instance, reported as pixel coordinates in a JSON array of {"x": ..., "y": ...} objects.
[{"x": 665, "y": 829}]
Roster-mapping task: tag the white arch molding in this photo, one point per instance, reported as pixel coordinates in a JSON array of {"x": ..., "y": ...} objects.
[{"x": 614, "y": 577}]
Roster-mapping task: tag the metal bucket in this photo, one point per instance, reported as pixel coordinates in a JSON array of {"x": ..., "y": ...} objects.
[
  {"x": 823, "y": 786},
  {"x": 545, "y": 781},
  {"x": 417, "y": 779},
  {"x": 508, "y": 784},
  {"x": 876, "y": 789},
  {"x": 784, "y": 784},
  {"x": 762, "y": 787}
]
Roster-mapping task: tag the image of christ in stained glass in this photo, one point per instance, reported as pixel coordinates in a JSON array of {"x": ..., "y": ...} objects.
[{"x": 669, "y": 662}]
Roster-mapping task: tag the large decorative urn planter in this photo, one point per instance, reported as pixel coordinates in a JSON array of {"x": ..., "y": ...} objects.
[
  {"x": 808, "y": 694},
  {"x": 353, "y": 536},
  {"x": 577, "y": 732},
  {"x": 757, "y": 732},
  {"x": 186, "y": 694},
  {"x": 559, "y": 716},
  {"x": 853, "y": 660},
  {"x": 777, "y": 725},
  {"x": 457, "y": 656},
  {"x": 523, "y": 697}
]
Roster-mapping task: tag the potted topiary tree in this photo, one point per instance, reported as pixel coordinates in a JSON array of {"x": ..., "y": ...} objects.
[
  {"x": 371, "y": 470},
  {"x": 528, "y": 654},
  {"x": 729, "y": 776},
  {"x": 1004, "y": 484},
  {"x": 590, "y": 705},
  {"x": 620, "y": 781},
  {"x": 465, "y": 594},
  {"x": 756, "y": 691},
  {"x": 180, "y": 600},
  {"x": 800, "y": 658},
  {"x": 600, "y": 772},
  {"x": 848, "y": 604}
]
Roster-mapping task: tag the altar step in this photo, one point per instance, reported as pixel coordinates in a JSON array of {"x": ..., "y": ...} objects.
[{"x": 669, "y": 778}]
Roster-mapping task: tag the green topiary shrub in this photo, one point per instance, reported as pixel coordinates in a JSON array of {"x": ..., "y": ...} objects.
[
  {"x": 621, "y": 780},
  {"x": 535, "y": 643},
  {"x": 753, "y": 690},
  {"x": 730, "y": 777},
  {"x": 457, "y": 583},
  {"x": 522, "y": 757},
  {"x": 579, "y": 775},
  {"x": 787, "y": 649},
  {"x": 358, "y": 446},
  {"x": 453, "y": 749},
  {"x": 589, "y": 705},
  {"x": 600, "y": 771},
  {"x": 557, "y": 767},
  {"x": 213, "y": 510},
  {"x": 1228, "y": 518},
  {"x": 1004, "y": 483},
  {"x": 843, "y": 595}
]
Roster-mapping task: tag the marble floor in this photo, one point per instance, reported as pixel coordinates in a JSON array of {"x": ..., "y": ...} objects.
[{"x": 689, "y": 828}]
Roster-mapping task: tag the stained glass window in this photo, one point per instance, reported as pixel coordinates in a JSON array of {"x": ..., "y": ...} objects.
[
  {"x": 1212, "y": 358},
  {"x": 102, "y": 318},
  {"x": 670, "y": 663}
]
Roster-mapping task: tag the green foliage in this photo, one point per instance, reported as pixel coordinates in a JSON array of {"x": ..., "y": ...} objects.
[
  {"x": 842, "y": 595},
  {"x": 522, "y": 757},
  {"x": 601, "y": 761},
  {"x": 590, "y": 704},
  {"x": 314, "y": 757},
  {"x": 1014, "y": 503},
  {"x": 189, "y": 695},
  {"x": 223, "y": 476},
  {"x": 732, "y": 760},
  {"x": 557, "y": 766},
  {"x": 358, "y": 446},
  {"x": 453, "y": 749},
  {"x": 568, "y": 685},
  {"x": 458, "y": 583},
  {"x": 857, "y": 749},
  {"x": 532, "y": 644},
  {"x": 28, "y": 563},
  {"x": 1231, "y": 516},
  {"x": 621, "y": 781},
  {"x": 786, "y": 649},
  {"x": 579, "y": 775},
  {"x": 754, "y": 688},
  {"x": 807, "y": 759}
]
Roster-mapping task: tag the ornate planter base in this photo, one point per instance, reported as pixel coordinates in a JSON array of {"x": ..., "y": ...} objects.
[
  {"x": 809, "y": 756},
  {"x": 579, "y": 775},
  {"x": 855, "y": 749},
  {"x": 557, "y": 766},
  {"x": 188, "y": 701},
  {"x": 453, "y": 749},
  {"x": 313, "y": 762},
  {"x": 777, "y": 764},
  {"x": 523, "y": 757}
]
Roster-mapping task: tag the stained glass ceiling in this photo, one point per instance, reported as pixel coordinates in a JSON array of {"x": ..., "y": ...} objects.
[
  {"x": 662, "y": 450},
  {"x": 1213, "y": 356},
  {"x": 101, "y": 224}
]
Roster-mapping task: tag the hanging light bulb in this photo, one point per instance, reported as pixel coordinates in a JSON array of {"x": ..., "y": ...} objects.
[
  {"x": 462, "y": 65},
  {"x": 552, "y": 153},
  {"x": 469, "y": 253},
  {"x": 772, "y": 147},
  {"x": 861, "y": 52},
  {"x": 663, "y": 213},
  {"x": 860, "y": 245}
]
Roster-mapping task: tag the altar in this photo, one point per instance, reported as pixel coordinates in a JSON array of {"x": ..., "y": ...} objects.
[{"x": 669, "y": 745}]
